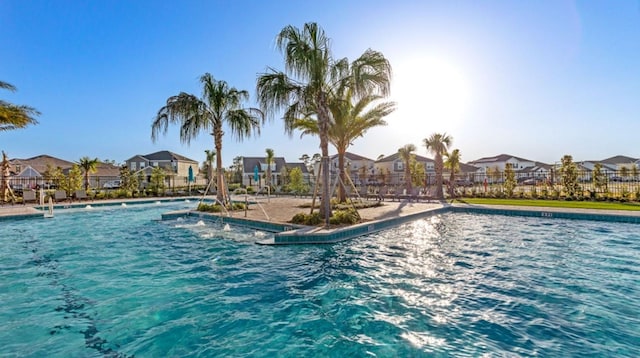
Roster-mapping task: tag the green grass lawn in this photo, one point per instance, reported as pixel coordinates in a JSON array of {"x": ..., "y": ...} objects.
[{"x": 553, "y": 203}]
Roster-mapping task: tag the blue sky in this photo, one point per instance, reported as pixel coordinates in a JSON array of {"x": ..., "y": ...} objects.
[{"x": 535, "y": 79}]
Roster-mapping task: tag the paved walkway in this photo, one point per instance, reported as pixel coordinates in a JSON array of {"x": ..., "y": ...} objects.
[{"x": 283, "y": 209}]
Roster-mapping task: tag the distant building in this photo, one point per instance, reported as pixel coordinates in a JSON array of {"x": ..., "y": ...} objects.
[
  {"x": 253, "y": 167},
  {"x": 390, "y": 170},
  {"x": 176, "y": 167},
  {"x": 360, "y": 169}
]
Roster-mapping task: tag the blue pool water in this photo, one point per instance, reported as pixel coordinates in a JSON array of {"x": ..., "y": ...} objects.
[{"x": 117, "y": 282}]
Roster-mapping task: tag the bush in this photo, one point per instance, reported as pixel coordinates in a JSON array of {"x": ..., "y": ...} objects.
[
  {"x": 210, "y": 208},
  {"x": 307, "y": 219},
  {"x": 348, "y": 217}
]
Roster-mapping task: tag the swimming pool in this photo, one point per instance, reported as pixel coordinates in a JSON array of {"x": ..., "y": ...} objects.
[{"x": 117, "y": 282}]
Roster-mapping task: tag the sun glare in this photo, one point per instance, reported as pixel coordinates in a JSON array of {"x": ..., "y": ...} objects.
[{"x": 428, "y": 91}]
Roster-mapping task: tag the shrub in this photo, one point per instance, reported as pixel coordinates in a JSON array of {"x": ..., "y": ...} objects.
[
  {"x": 348, "y": 217},
  {"x": 210, "y": 208},
  {"x": 307, "y": 219}
]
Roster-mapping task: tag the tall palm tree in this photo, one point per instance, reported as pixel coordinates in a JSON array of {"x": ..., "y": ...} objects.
[
  {"x": 88, "y": 165},
  {"x": 453, "y": 164},
  {"x": 210, "y": 155},
  {"x": 311, "y": 74},
  {"x": 351, "y": 120},
  {"x": 269, "y": 159},
  {"x": 438, "y": 144},
  {"x": 13, "y": 116},
  {"x": 219, "y": 104},
  {"x": 406, "y": 154}
]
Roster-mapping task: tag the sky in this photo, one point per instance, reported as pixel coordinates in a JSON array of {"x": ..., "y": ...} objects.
[{"x": 533, "y": 79}]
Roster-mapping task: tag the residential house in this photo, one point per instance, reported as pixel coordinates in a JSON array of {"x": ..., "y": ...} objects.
[
  {"x": 390, "y": 170},
  {"x": 612, "y": 166},
  {"x": 176, "y": 167},
  {"x": 31, "y": 172},
  {"x": 523, "y": 168},
  {"x": 360, "y": 169},
  {"x": 256, "y": 167}
]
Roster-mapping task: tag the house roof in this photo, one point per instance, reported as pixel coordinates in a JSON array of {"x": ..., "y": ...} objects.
[
  {"x": 248, "y": 163},
  {"x": 164, "y": 155},
  {"x": 351, "y": 156},
  {"x": 396, "y": 156},
  {"x": 467, "y": 168},
  {"x": 40, "y": 163},
  {"x": 498, "y": 159},
  {"x": 619, "y": 159},
  {"x": 302, "y": 166}
]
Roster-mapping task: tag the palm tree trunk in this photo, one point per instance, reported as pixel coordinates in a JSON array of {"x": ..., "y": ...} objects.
[
  {"x": 452, "y": 178},
  {"x": 221, "y": 192},
  {"x": 343, "y": 192},
  {"x": 408, "y": 179},
  {"x": 323, "y": 126},
  {"x": 439, "y": 165}
]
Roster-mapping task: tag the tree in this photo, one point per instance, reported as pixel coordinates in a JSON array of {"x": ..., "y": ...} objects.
[
  {"x": 452, "y": 162},
  {"x": 157, "y": 183},
  {"x": 219, "y": 104},
  {"x": 88, "y": 165},
  {"x": 130, "y": 181},
  {"x": 311, "y": 77},
  {"x": 598, "y": 178},
  {"x": 296, "y": 181},
  {"x": 351, "y": 120},
  {"x": 269, "y": 159},
  {"x": 15, "y": 116},
  {"x": 406, "y": 154},
  {"x": 418, "y": 172},
  {"x": 209, "y": 156},
  {"x": 569, "y": 175},
  {"x": 509, "y": 179},
  {"x": 438, "y": 144},
  {"x": 237, "y": 168},
  {"x": 73, "y": 181}
]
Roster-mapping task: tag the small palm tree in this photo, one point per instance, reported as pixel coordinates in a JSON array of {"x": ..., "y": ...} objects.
[
  {"x": 351, "y": 120},
  {"x": 219, "y": 104},
  {"x": 311, "y": 75},
  {"x": 13, "y": 116},
  {"x": 269, "y": 160},
  {"x": 210, "y": 155},
  {"x": 438, "y": 144},
  {"x": 88, "y": 165},
  {"x": 406, "y": 154},
  {"x": 453, "y": 164}
]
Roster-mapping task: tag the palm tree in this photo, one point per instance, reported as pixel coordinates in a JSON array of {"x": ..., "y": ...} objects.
[
  {"x": 88, "y": 165},
  {"x": 406, "y": 154},
  {"x": 13, "y": 116},
  {"x": 438, "y": 144},
  {"x": 269, "y": 159},
  {"x": 210, "y": 155},
  {"x": 350, "y": 121},
  {"x": 219, "y": 104},
  {"x": 316, "y": 74},
  {"x": 453, "y": 164}
]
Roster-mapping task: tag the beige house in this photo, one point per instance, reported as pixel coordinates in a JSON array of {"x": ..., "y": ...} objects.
[
  {"x": 390, "y": 169},
  {"x": 175, "y": 166},
  {"x": 359, "y": 168}
]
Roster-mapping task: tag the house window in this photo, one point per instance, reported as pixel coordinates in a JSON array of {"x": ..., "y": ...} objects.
[
  {"x": 133, "y": 166},
  {"x": 141, "y": 164},
  {"x": 399, "y": 166},
  {"x": 155, "y": 164}
]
